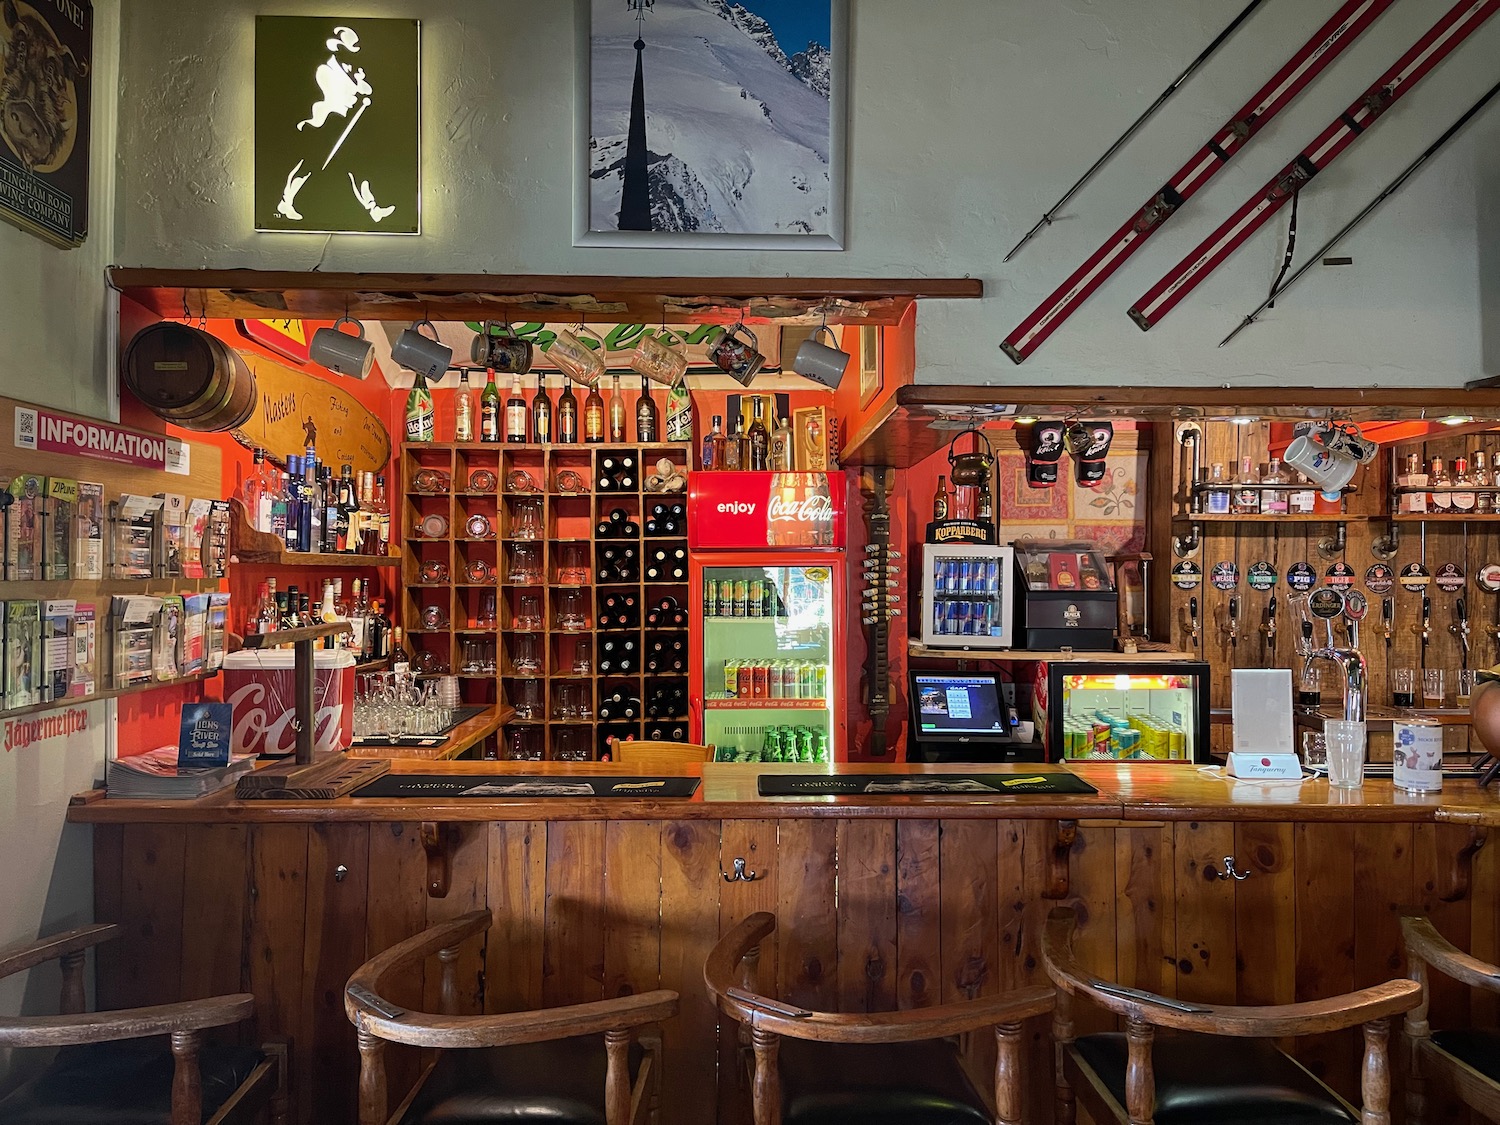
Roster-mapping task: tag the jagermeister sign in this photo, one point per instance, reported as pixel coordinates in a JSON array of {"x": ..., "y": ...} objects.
[
  {"x": 620, "y": 340},
  {"x": 337, "y": 125}
]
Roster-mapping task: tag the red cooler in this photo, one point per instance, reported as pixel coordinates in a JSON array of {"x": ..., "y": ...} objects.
[
  {"x": 259, "y": 685},
  {"x": 768, "y": 573}
]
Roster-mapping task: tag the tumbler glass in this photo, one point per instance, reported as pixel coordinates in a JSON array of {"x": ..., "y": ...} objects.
[
  {"x": 1404, "y": 687},
  {"x": 1346, "y": 753},
  {"x": 1467, "y": 680},
  {"x": 1432, "y": 687}
]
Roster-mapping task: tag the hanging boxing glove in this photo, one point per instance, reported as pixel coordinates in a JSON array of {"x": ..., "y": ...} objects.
[
  {"x": 1044, "y": 446},
  {"x": 1089, "y": 454}
]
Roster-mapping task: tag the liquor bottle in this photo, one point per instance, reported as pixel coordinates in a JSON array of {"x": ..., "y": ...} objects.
[
  {"x": 516, "y": 414},
  {"x": 369, "y": 527},
  {"x": 305, "y": 612},
  {"x": 253, "y": 495},
  {"x": 283, "y": 612},
  {"x": 328, "y": 502},
  {"x": 353, "y": 612},
  {"x": 734, "y": 446},
  {"x": 400, "y": 658},
  {"x": 781, "y": 446},
  {"x": 1483, "y": 501},
  {"x": 1301, "y": 500},
  {"x": 489, "y": 409},
  {"x": 616, "y": 412},
  {"x": 346, "y": 507},
  {"x": 1273, "y": 501},
  {"x": 382, "y": 517},
  {"x": 680, "y": 415},
  {"x": 263, "y": 616},
  {"x": 293, "y": 527},
  {"x": 309, "y": 533},
  {"x": 567, "y": 414},
  {"x": 328, "y": 611},
  {"x": 1438, "y": 479},
  {"x": 760, "y": 438},
  {"x": 463, "y": 409},
  {"x": 1216, "y": 499},
  {"x": 1413, "y": 477},
  {"x": 984, "y": 504},
  {"x": 713, "y": 445},
  {"x": 1463, "y": 501},
  {"x": 421, "y": 422},
  {"x": 541, "y": 413},
  {"x": 645, "y": 415},
  {"x": 1246, "y": 500},
  {"x": 593, "y": 416},
  {"x": 940, "y": 500}
]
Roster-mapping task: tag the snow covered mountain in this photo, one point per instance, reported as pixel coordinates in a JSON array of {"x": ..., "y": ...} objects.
[{"x": 737, "y": 132}]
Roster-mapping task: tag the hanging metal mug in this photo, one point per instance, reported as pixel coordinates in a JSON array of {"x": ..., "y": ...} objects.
[{"x": 975, "y": 467}]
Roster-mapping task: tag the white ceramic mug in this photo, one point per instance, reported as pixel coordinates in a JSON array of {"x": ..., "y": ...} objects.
[
  {"x": 426, "y": 355},
  {"x": 1328, "y": 469},
  {"x": 820, "y": 362},
  {"x": 341, "y": 353}
]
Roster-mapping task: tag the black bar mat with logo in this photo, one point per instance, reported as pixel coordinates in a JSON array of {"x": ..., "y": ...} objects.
[
  {"x": 916, "y": 784},
  {"x": 518, "y": 785}
]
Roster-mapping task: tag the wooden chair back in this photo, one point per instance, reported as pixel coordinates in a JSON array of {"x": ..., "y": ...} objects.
[
  {"x": 730, "y": 972},
  {"x": 1427, "y": 951},
  {"x": 661, "y": 757},
  {"x": 1145, "y": 1011}
]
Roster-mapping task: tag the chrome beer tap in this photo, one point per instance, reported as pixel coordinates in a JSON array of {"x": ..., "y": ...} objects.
[
  {"x": 1269, "y": 628},
  {"x": 1350, "y": 661},
  {"x": 1195, "y": 628},
  {"x": 1423, "y": 628},
  {"x": 1388, "y": 622},
  {"x": 1234, "y": 624}
]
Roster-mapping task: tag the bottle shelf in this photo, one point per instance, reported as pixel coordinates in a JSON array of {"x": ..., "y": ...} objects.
[
  {"x": 1443, "y": 517},
  {"x": 1293, "y": 517}
]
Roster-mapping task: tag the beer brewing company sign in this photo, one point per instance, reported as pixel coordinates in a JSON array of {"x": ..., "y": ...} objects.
[
  {"x": 46, "y": 53},
  {"x": 44, "y": 431}
]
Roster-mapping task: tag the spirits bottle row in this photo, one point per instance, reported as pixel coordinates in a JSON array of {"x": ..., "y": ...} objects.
[
  {"x": 309, "y": 509},
  {"x": 486, "y": 417},
  {"x": 372, "y": 637},
  {"x": 1270, "y": 490},
  {"x": 1450, "y": 487},
  {"x": 968, "y": 503},
  {"x": 759, "y": 448}
]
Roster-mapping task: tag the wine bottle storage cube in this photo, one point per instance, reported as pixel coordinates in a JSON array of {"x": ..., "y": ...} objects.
[
  {"x": 617, "y": 562},
  {"x": 665, "y": 562},
  {"x": 617, "y": 471},
  {"x": 666, "y": 654},
  {"x": 477, "y": 472},
  {"x": 666, "y": 519},
  {"x": 618, "y": 610}
]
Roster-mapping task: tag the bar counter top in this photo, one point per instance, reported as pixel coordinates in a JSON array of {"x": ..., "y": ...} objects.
[{"x": 1126, "y": 792}]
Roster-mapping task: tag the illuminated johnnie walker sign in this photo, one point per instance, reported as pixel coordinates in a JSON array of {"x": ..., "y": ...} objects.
[{"x": 337, "y": 125}]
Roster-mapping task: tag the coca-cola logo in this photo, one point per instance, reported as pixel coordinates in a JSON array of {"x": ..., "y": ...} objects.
[
  {"x": 256, "y": 731},
  {"x": 810, "y": 509}
]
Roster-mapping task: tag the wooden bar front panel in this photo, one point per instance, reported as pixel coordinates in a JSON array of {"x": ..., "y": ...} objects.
[{"x": 874, "y": 913}]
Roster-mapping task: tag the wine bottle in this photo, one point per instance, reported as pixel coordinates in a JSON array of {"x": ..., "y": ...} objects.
[
  {"x": 541, "y": 412},
  {"x": 760, "y": 439},
  {"x": 516, "y": 414},
  {"x": 489, "y": 409},
  {"x": 645, "y": 416},
  {"x": 567, "y": 415},
  {"x": 616, "y": 412},
  {"x": 593, "y": 416},
  {"x": 463, "y": 409}
]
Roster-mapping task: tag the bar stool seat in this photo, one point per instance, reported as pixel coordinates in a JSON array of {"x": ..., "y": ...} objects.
[
  {"x": 560, "y": 1082},
  {"x": 1214, "y": 1080},
  {"x": 1475, "y": 1047},
  {"x": 919, "y": 1083}
]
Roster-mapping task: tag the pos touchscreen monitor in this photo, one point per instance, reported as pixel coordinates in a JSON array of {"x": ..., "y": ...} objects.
[{"x": 963, "y": 707}]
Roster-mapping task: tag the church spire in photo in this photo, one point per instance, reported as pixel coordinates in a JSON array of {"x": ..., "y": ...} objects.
[{"x": 635, "y": 200}]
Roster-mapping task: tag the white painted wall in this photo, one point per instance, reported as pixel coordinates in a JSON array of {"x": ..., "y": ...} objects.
[
  {"x": 969, "y": 118},
  {"x": 55, "y": 330}
]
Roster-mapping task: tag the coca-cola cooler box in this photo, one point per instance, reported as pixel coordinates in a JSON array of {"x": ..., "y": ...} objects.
[{"x": 261, "y": 688}]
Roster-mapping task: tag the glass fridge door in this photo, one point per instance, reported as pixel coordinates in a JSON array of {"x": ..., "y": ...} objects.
[
  {"x": 1130, "y": 716},
  {"x": 768, "y": 662}
]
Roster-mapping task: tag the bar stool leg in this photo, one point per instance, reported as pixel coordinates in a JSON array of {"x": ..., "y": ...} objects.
[
  {"x": 1009, "y": 1087},
  {"x": 1065, "y": 1107}
]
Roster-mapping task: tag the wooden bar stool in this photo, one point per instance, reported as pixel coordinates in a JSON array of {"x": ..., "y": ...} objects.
[
  {"x": 106, "y": 1073},
  {"x": 828, "y": 1068},
  {"x": 573, "y": 1065},
  {"x": 1218, "y": 1068},
  {"x": 1465, "y": 1060}
]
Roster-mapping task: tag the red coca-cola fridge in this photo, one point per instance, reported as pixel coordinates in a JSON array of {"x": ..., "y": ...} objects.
[{"x": 769, "y": 576}]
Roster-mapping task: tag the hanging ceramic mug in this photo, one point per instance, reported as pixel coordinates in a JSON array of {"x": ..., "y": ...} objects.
[
  {"x": 975, "y": 467},
  {"x": 821, "y": 363},
  {"x": 1329, "y": 470},
  {"x": 736, "y": 355},
  {"x": 506, "y": 354},
  {"x": 426, "y": 355},
  {"x": 658, "y": 361},
  {"x": 577, "y": 360},
  {"x": 341, "y": 353}
]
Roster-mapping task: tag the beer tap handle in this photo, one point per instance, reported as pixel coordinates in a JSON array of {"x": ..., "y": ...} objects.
[
  {"x": 1193, "y": 624},
  {"x": 1271, "y": 618},
  {"x": 1426, "y": 628},
  {"x": 1387, "y": 617}
]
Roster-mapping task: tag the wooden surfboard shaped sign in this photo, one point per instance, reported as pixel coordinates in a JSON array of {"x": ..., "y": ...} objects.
[{"x": 346, "y": 429}]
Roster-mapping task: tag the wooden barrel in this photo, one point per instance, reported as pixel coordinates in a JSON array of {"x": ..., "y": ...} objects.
[{"x": 190, "y": 377}]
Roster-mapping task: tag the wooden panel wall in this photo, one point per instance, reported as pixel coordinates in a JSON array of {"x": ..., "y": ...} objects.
[{"x": 874, "y": 914}]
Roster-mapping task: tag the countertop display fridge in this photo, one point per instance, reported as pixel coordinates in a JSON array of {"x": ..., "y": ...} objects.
[
  {"x": 966, "y": 596},
  {"x": 1123, "y": 711},
  {"x": 769, "y": 581}
]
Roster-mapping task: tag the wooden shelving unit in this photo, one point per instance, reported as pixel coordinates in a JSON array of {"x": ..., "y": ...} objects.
[{"x": 481, "y": 602}]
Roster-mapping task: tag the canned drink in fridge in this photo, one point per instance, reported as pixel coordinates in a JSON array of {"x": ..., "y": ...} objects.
[
  {"x": 778, "y": 679},
  {"x": 732, "y": 677},
  {"x": 820, "y": 681},
  {"x": 955, "y": 569},
  {"x": 807, "y": 681},
  {"x": 992, "y": 577},
  {"x": 745, "y": 685},
  {"x": 966, "y": 576},
  {"x": 726, "y": 598},
  {"x": 759, "y": 681},
  {"x": 710, "y": 598},
  {"x": 741, "y": 597},
  {"x": 769, "y": 609},
  {"x": 755, "y": 601}
]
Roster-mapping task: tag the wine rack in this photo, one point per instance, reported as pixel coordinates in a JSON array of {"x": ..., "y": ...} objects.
[{"x": 508, "y": 586}]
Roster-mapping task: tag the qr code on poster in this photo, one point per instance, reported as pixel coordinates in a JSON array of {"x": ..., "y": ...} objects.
[{"x": 25, "y": 428}]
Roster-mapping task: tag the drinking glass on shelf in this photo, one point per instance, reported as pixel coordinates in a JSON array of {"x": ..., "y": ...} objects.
[
  {"x": 570, "y": 611},
  {"x": 527, "y": 654},
  {"x": 473, "y": 662},
  {"x": 583, "y": 656},
  {"x": 1467, "y": 680},
  {"x": 525, "y": 562},
  {"x": 1346, "y": 753},
  {"x": 529, "y": 615},
  {"x": 1404, "y": 687},
  {"x": 486, "y": 618},
  {"x": 1432, "y": 687},
  {"x": 528, "y": 519},
  {"x": 573, "y": 565},
  {"x": 528, "y": 699},
  {"x": 570, "y": 744},
  {"x": 489, "y": 657},
  {"x": 563, "y": 706}
]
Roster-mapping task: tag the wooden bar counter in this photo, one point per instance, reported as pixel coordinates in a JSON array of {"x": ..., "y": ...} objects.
[{"x": 1185, "y": 883}]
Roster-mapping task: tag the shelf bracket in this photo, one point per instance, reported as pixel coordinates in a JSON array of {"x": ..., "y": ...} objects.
[
  {"x": 439, "y": 841},
  {"x": 1332, "y": 546},
  {"x": 1065, "y": 832}
]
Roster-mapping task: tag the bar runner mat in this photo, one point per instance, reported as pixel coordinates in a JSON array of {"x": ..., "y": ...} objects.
[
  {"x": 905, "y": 785},
  {"x": 517, "y": 785}
]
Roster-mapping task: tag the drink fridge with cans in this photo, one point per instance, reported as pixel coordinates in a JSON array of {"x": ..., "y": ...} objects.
[
  {"x": 967, "y": 599},
  {"x": 769, "y": 583}
]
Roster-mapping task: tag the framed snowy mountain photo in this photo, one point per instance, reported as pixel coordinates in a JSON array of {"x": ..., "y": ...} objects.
[{"x": 711, "y": 124}]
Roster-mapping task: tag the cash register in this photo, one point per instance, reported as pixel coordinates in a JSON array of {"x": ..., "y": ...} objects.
[{"x": 961, "y": 717}]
